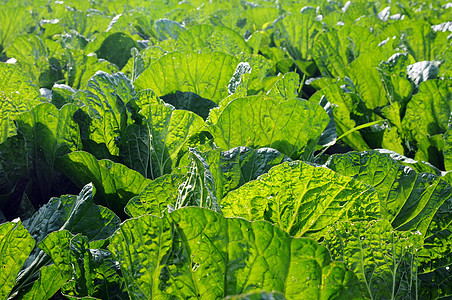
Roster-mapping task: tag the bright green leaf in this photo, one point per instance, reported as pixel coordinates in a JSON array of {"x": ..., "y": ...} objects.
[
  {"x": 17, "y": 95},
  {"x": 168, "y": 29},
  {"x": 407, "y": 199},
  {"x": 366, "y": 78},
  {"x": 115, "y": 183},
  {"x": 198, "y": 253},
  {"x": 155, "y": 197},
  {"x": 335, "y": 50},
  {"x": 447, "y": 152},
  {"x": 206, "y": 74},
  {"x": 286, "y": 87},
  {"x": 83, "y": 67},
  {"x": 427, "y": 114},
  {"x": 15, "y": 20},
  {"x": 346, "y": 110},
  {"x": 107, "y": 96},
  {"x": 16, "y": 246},
  {"x": 49, "y": 282},
  {"x": 240, "y": 165},
  {"x": 142, "y": 246},
  {"x": 301, "y": 198},
  {"x": 49, "y": 133},
  {"x": 292, "y": 126},
  {"x": 394, "y": 76},
  {"x": 207, "y": 38},
  {"x": 116, "y": 49},
  {"x": 199, "y": 187},
  {"x": 384, "y": 259},
  {"x": 169, "y": 131},
  {"x": 298, "y": 33},
  {"x": 51, "y": 277}
]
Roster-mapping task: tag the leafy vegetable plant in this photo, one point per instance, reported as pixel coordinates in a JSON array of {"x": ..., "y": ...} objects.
[{"x": 225, "y": 149}]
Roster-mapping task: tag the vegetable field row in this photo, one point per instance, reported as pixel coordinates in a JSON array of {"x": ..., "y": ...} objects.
[{"x": 225, "y": 149}]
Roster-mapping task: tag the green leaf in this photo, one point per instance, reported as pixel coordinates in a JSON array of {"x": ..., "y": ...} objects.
[
  {"x": 234, "y": 86},
  {"x": 16, "y": 246},
  {"x": 17, "y": 95},
  {"x": 286, "y": 87},
  {"x": 115, "y": 183},
  {"x": 427, "y": 114},
  {"x": 383, "y": 259},
  {"x": 298, "y": 34},
  {"x": 49, "y": 133},
  {"x": 106, "y": 99},
  {"x": 421, "y": 202},
  {"x": 140, "y": 61},
  {"x": 254, "y": 78},
  {"x": 435, "y": 257},
  {"x": 394, "y": 75},
  {"x": 260, "y": 42},
  {"x": 76, "y": 214},
  {"x": 421, "y": 41},
  {"x": 116, "y": 49},
  {"x": 51, "y": 277},
  {"x": 207, "y": 38},
  {"x": 354, "y": 11},
  {"x": 335, "y": 50},
  {"x": 319, "y": 83},
  {"x": 233, "y": 168},
  {"x": 260, "y": 17},
  {"x": 15, "y": 20},
  {"x": 363, "y": 71},
  {"x": 301, "y": 198},
  {"x": 142, "y": 99},
  {"x": 14, "y": 167},
  {"x": 206, "y": 74},
  {"x": 346, "y": 110},
  {"x": 329, "y": 135},
  {"x": 169, "y": 132},
  {"x": 292, "y": 126},
  {"x": 418, "y": 166},
  {"x": 62, "y": 94},
  {"x": 82, "y": 67},
  {"x": 199, "y": 187},
  {"x": 198, "y": 253},
  {"x": 142, "y": 247},
  {"x": 156, "y": 196},
  {"x": 95, "y": 274},
  {"x": 240, "y": 165},
  {"x": 447, "y": 152},
  {"x": 392, "y": 136},
  {"x": 407, "y": 199},
  {"x": 135, "y": 65},
  {"x": 49, "y": 282},
  {"x": 79, "y": 20},
  {"x": 168, "y": 29},
  {"x": 7, "y": 113},
  {"x": 40, "y": 58},
  {"x": 134, "y": 148},
  {"x": 27, "y": 49}
]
